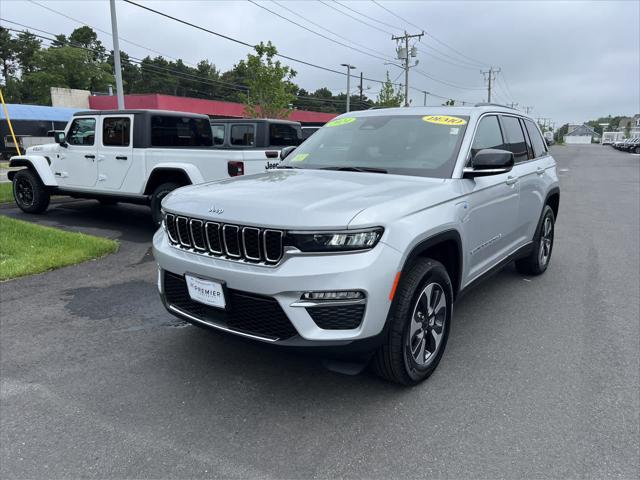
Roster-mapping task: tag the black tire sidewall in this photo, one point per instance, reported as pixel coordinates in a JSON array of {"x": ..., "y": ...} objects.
[
  {"x": 436, "y": 274},
  {"x": 156, "y": 200},
  {"x": 547, "y": 212},
  {"x": 41, "y": 196}
]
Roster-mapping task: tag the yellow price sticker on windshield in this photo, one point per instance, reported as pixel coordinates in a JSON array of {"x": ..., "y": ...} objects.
[
  {"x": 340, "y": 121},
  {"x": 444, "y": 120},
  {"x": 299, "y": 157}
]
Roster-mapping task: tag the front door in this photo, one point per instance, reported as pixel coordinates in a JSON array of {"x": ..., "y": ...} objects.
[
  {"x": 76, "y": 164},
  {"x": 116, "y": 151},
  {"x": 491, "y": 208}
]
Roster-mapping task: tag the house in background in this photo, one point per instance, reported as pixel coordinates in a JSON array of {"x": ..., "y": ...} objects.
[
  {"x": 580, "y": 134},
  {"x": 633, "y": 124}
]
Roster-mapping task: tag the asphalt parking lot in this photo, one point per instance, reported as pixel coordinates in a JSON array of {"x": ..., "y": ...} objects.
[{"x": 540, "y": 378}]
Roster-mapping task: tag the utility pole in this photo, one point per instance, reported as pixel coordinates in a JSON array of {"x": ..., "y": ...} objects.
[
  {"x": 349, "y": 68},
  {"x": 116, "y": 55},
  {"x": 403, "y": 54},
  {"x": 513, "y": 104},
  {"x": 361, "y": 92},
  {"x": 425, "y": 97},
  {"x": 490, "y": 76},
  {"x": 527, "y": 109}
]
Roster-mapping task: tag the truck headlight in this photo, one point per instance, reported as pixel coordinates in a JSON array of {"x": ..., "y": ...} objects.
[{"x": 335, "y": 241}]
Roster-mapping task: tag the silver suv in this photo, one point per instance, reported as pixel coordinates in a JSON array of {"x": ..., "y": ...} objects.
[{"x": 363, "y": 238}]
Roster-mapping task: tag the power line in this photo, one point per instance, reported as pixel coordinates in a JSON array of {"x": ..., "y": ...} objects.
[
  {"x": 475, "y": 61},
  {"x": 461, "y": 87},
  {"x": 314, "y": 32},
  {"x": 367, "y": 16},
  {"x": 355, "y": 18}
]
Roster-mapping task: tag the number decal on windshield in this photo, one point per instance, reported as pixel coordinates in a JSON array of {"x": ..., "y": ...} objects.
[{"x": 444, "y": 120}]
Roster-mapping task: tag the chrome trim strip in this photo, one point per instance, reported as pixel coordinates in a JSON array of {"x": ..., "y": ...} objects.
[
  {"x": 206, "y": 232},
  {"x": 264, "y": 245},
  {"x": 220, "y": 327},
  {"x": 173, "y": 221},
  {"x": 487, "y": 170},
  {"x": 182, "y": 242},
  {"x": 193, "y": 237},
  {"x": 224, "y": 239},
  {"x": 244, "y": 245},
  {"x": 328, "y": 303}
]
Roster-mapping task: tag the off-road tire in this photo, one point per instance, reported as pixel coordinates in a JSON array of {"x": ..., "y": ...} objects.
[
  {"x": 537, "y": 262},
  {"x": 393, "y": 361},
  {"x": 29, "y": 192},
  {"x": 156, "y": 200}
]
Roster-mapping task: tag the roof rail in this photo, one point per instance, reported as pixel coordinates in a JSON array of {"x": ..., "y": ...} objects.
[{"x": 491, "y": 104}]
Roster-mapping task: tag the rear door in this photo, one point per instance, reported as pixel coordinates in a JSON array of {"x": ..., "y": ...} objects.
[
  {"x": 77, "y": 166},
  {"x": 115, "y": 155},
  {"x": 491, "y": 220}
]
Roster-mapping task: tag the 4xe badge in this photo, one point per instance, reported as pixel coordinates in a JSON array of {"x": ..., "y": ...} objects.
[{"x": 216, "y": 210}]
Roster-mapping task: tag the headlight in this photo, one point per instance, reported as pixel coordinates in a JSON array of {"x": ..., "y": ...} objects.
[{"x": 335, "y": 241}]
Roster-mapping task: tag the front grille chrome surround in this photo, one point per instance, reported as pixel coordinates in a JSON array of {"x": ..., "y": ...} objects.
[{"x": 253, "y": 245}]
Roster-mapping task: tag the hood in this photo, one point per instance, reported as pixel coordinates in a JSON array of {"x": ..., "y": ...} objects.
[
  {"x": 304, "y": 199},
  {"x": 42, "y": 149}
]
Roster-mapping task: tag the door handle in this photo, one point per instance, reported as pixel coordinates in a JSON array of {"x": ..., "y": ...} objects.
[
  {"x": 90, "y": 156},
  {"x": 121, "y": 157},
  {"x": 540, "y": 171},
  {"x": 511, "y": 180}
]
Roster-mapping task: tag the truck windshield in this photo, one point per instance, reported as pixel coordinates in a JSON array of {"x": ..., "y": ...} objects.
[{"x": 420, "y": 145}]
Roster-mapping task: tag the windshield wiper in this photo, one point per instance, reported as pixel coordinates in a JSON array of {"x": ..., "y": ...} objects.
[{"x": 356, "y": 169}]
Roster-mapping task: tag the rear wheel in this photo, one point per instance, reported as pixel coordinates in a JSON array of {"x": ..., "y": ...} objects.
[
  {"x": 156, "y": 200},
  {"x": 538, "y": 260},
  {"x": 29, "y": 192},
  {"x": 637, "y": 149},
  {"x": 419, "y": 325}
]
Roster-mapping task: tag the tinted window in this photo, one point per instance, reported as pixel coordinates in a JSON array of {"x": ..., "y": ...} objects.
[
  {"x": 399, "y": 144},
  {"x": 282, "y": 135},
  {"x": 526, "y": 139},
  {"x": 218, "y": 134},
  {"x": 539, "y": 145},
  {"x": 116, "y": 132},
  {"x": 82, "y": 132},
  {"x": 180, "y": 132},
  {"x": 243, "y": 135},
  {"x": 488, "y": 135},
  {"x": 515, "y": 139}
]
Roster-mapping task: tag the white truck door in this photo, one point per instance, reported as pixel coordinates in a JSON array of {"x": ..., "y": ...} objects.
[
  {"x": 77, "y": 164},
  {"x": 115, "y": 153}
]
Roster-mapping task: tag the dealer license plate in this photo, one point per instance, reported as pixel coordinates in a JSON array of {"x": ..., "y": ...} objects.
[{"x": 208, "y": 292}]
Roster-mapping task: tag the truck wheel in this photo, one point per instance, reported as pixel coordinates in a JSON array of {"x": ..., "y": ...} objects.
[
  {"x": 538, "y": 260},
  {"x": 156, "y": 200},
  {"x": 418, "y": 324},
  {"x": 29, "y": 192},
  {"x": 636, "y": 150}
]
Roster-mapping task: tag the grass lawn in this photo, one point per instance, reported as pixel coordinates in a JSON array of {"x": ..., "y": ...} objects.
[
  {"x": 26, "y": 248},
  {"x": 6, "y": 192}
]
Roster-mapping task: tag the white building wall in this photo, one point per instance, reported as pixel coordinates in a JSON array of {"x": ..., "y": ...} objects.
[
  {"x": 577, "y": 139},
  {"x": 70, "y": 98}
]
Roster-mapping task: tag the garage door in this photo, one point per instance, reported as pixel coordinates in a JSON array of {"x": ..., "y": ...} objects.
[{"x": 581, "y": 139}]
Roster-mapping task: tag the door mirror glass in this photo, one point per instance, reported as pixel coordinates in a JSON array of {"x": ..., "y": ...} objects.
[
  {"x": 490, "y": 161},
  {"x": 60, "y": 138},
  {"x": 286, "y": 151}
]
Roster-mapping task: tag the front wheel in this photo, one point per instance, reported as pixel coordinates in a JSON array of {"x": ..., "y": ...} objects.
[
  {"x": 418, "y": 325},
  {"x": 538, "y": 260},
  {"x": 156, "y": 200},
  {"x": 29, "y": 192}
]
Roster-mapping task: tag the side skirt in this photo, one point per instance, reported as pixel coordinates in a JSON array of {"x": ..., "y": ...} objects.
[{"x": 135, "y": 199}]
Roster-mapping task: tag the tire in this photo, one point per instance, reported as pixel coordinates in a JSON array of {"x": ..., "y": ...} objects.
[
  {"x": 399, "y": 358},
  {"x": 156, "y": 200},
  {"x": 29, "y": 192},
  {"x": 636, "y": 150},
  {"x": 537, "y": 261}
]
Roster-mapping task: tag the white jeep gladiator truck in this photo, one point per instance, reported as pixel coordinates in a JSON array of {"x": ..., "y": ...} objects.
[{"x": 135, "y": 156}]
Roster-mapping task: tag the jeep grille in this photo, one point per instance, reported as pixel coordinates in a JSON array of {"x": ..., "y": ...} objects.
[{"x": 234, "y": 242}]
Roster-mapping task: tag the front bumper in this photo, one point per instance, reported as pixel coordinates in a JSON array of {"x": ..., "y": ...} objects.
[{"x": 371, "y": 272}]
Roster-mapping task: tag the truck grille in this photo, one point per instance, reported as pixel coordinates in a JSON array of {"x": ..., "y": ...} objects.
[
  {"x": 247, "y": 312},
  {"x": 235, "y": 242}
]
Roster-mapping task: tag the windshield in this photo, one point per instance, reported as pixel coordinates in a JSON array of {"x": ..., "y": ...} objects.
[{"x": 421, "y": 145}]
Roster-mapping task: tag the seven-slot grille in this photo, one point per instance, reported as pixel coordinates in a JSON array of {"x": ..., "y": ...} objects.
[{"x": 256, "y": 245}]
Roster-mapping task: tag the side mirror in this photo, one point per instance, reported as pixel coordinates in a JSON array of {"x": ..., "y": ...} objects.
[
  {"x": 490, "y": 161},
  {"x": 285, "y": 152},
  {"x": 60, "y": 138}
]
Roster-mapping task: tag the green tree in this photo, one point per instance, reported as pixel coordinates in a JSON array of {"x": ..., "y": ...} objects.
[
  {"x": 27, "y": 45},
  {"x": 449, "y": 103},
  {"x": 271, "y": 92},
  {"x": 85, "y": 37},
  {"x": 389, "y": 96},
  {"x": 7, "y": 54}
]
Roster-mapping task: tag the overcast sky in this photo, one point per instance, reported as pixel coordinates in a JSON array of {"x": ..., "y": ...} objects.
[{"x": 571, "y": 61}]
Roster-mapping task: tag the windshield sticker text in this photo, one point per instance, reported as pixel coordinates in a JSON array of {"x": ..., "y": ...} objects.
[
  {"x": 300, "y": 157},
  {"x": 444, "y": 120},
  {"x": 340, "y": 121}
]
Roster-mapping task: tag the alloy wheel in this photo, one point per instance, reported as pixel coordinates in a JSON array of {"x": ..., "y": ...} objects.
[
  {"x": 546, "y": 242},
  {"x": 427, "y": 325},
  {"x": 24, "y": 192}
]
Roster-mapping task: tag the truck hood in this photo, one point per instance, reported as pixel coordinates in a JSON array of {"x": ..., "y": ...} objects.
[
  {"x": 42, "y": 149},
  {"x": 304, "y": 199}
]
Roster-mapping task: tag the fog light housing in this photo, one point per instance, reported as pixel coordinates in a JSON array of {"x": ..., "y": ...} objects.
[{"x": 338, "y": 295}]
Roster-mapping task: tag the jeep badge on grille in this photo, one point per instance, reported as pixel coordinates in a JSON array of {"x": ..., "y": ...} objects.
[{"x": 216, "y": 210}]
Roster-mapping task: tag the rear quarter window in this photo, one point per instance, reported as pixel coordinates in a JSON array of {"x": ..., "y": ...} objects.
[
  {"x": 283, "y": 135},
  {"x": 515, "y": 139},
  {"x": 243, "y": 135},
  {"x": 176, "y": 131},
  {"x": 539, "y": 145}
]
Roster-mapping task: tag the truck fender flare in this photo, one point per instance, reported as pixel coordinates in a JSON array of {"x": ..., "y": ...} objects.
[
  {"x": 37, "y": 163},
  {"x": 191, "y": 171}
]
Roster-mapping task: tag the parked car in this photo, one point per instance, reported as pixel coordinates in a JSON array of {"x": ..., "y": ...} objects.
[
  {"x": 361, "y": 241},
  {"x": 632, "y": 145},
  {"x": 135, "y": 156}
]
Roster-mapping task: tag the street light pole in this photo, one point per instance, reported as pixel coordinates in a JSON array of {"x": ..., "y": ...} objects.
[
  {"x": 349, "y": 68},
  {"x": 116, "y": 55}
]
